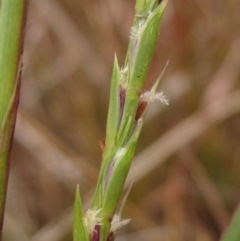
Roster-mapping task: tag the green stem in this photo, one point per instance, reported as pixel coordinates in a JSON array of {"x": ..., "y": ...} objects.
[{"x": 12, "y": 23}]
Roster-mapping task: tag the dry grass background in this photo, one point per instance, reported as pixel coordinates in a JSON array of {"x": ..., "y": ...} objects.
[{"x": 186, "y": 169}]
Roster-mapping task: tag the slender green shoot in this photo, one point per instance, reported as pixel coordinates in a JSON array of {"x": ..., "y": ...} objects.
[
  {"x": 127, "y": 108},
  {"x": 12, "y": 22}
]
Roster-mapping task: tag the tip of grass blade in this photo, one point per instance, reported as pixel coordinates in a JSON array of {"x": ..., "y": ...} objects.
[
  {"x": 155, "y": 86},
  {"x": 123, "y": 202},
  {"x": 79, "y": 230}
]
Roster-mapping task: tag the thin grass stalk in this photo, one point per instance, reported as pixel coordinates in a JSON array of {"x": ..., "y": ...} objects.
[
  {"x": 12, "y": 24},
  {"x": 127, "y": 109}
]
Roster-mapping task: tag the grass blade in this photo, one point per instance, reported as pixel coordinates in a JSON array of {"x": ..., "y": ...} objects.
[
  {"x": 12, "y": 22},
  {"x": 79, "y": 231}
]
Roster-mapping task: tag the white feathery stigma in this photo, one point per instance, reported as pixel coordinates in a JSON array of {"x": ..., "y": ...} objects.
[
  {"x": 90, "y": 219},
  {"x": 118, "y": 223},
  {"x": 134, "y": 32},
  {"x": 151, "y": 97}
]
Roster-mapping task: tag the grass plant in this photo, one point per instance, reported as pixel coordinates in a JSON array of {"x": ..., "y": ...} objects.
[
  {"x": 12, "y": 22},
  {"x": 127, "y": 108}
]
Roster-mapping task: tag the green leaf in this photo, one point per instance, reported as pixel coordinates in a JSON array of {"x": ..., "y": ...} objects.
[
  {"x": 12, "y": 23},
  {"x": 79, "y": 230},
  {"x": 145, "y": 46},
  {"x": 119, "y": 174},
  {"x": 123, "y": 129},
  {"x": 113, "y": 110},
  {"x": 140, "y": 53},
  {"x": 111, "y": 132},
  {"x": 11, "y": 20},
  {"x": 233, "y": 231}
]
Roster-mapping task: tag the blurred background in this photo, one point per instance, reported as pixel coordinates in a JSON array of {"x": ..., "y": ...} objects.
[{"x": 186, "y": 171}]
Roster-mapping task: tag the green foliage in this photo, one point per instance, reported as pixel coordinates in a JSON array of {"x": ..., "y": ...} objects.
[
  {"x": 127, "y": 109},
  {"x": 124, "y": 124},
  {"x": 79, "y": 231},
  {"x": 118, "y": 174},
  {"x": 11, "y": 26},
  {"x": 11, "y": 20}
]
